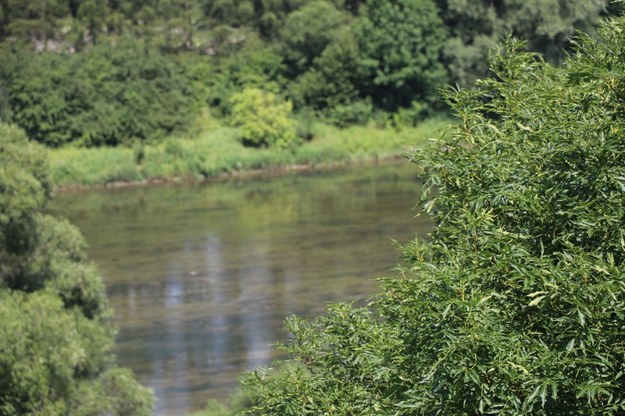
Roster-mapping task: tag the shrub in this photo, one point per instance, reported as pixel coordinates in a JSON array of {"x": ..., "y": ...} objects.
[
  {"x": 262, "y": 119},
  {"x": 515, "y": 305},
  {"x": 358, "y": 112}
]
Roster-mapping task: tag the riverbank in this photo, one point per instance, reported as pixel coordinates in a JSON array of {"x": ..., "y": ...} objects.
[{"x": 218, "y": 155}]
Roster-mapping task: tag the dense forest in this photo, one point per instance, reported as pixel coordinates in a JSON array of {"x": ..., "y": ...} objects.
[{"x": 94, "y": 73}]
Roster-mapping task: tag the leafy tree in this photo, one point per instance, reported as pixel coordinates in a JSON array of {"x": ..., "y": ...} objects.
[
  {"x": 28, "y": 19},
  {"x": 476, "y": 26},
  {"x": 56, "y": 335},
  {"x": 515, "y": 305},
  {"x": 270, "y": 14},
  {"x": 336, "y": 77},
  {"x": 180, "y": 17},
  {"x": 307, "y": 32},
  {"x": 351, "y": 5},
  {"x": 262, "y": 119},
  {"x": 92, "y": 15},
  {"x": 266, "y": 16},
  {"x": 228, "y": 12},
  {"x": 401, "y": 43}
]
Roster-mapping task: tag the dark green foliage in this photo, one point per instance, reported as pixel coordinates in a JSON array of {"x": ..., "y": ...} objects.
[
  {"x": 336, "y": 78},
  {"x": 307, "y": 32},
  {"x": 104, "y": 96},
  {"x": 401, "y": 42},
  {"x": 255, "y": 66},
  {"x": 547, "y": 25},
  {"x": 267, "y": 16},
  {"x": 26, "y": 19},
  {"x": 354, "y": 113},
  {"x": 515, "y": 306},
  {"x": 56, "y": 335}
]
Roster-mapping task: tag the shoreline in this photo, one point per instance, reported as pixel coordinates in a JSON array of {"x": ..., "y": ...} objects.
[
  {"x": 244, "y": 174},
  {"x": 218, "y": 156}
]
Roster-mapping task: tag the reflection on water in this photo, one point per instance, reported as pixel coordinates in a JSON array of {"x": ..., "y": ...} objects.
[{"x": 201, "y": 277}]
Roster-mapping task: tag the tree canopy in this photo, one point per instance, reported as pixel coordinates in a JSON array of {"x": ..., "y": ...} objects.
[
  {"x": 56, "y": 334},
  {"x": 515, "y": 305},
  {"x": 546, "y": 25},
  {"x": 105, "y": 73}
]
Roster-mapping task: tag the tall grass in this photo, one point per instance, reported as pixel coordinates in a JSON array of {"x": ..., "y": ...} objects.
[{"x": 219, "y": 152}]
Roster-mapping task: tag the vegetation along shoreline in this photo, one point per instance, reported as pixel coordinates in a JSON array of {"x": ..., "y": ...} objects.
[{"x": 196, "y": 160}]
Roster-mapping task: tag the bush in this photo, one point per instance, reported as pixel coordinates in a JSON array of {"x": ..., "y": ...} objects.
[
  {"x": 515, "y": 305},
  {"x": 262, "y": 119},
  {"x": 357, "y": 112},
  {"x": 56, "y": 335}
]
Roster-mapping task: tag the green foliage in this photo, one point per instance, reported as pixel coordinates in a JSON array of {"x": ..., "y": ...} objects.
[
  {"x": 336, "y": 77},
  {"x": 266, "y": 16},
  {"x": 546, "y": 25},
  {"x": 262, "y": 119},
  {"x": 354, "y": 113},
  {"x": 96, "y": 73},
  {"x": 219, "y": 151},
  {"x": 54, "y": 361},
  {"x": 237, "y": 403},
  {"x": 307, "y": 32},
  {"x": 56, "y": 335},
  {"x": 104, "y": 96},
  {"x": 515, "y": 305},
  {"x": 401, "y": 41},
  {"x": 255, "y": 66},
  {"x": 25, "y": 181}
]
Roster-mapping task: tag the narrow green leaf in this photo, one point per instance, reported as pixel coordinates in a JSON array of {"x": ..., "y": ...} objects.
[{"x": 536, "y": 301}]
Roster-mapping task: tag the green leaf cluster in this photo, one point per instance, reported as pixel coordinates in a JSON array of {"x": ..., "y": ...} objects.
[
  {"x": 56, "y": 335},
  {"x": 515, "y": 305}
]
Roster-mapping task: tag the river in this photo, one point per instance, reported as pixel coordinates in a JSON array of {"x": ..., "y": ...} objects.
[{"x": 202, "y": 276}]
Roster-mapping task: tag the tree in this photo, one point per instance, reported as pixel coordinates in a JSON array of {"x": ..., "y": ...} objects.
[
  {"x": 307, "y": 32},
  {"x": 180, "y": 19},
  {"x": 92, "y": 14},
  {"x": 515, "y": 305},
  {"x": 56, "y": 334},
  {"x": 266, "y": 16},
  {"x": 336, "y": 77},
  {"x": 546, "y": 25},
  {"x": 401, "y": 43},
  {"x": 31, "y": 19}
]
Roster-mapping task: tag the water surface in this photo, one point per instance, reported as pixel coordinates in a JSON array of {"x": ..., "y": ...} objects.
[{"x": 202, "y": 276}]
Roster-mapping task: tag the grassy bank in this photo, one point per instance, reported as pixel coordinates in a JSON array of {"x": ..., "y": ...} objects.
[{"x": 219, "y": 152}]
